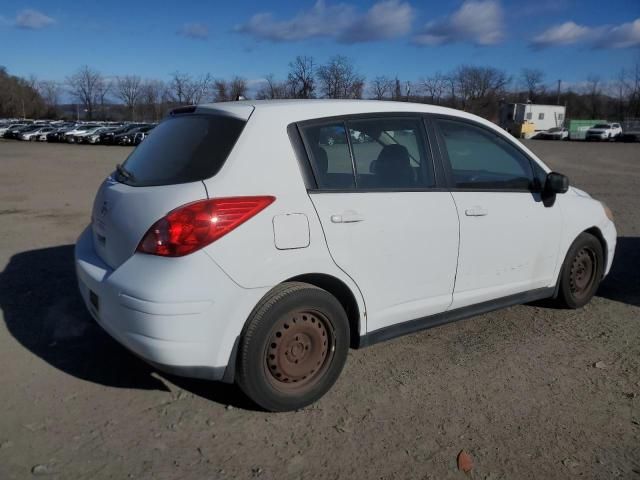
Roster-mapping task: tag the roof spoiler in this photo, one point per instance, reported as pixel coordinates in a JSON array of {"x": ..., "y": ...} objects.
[{"x": 183, "y": 110}]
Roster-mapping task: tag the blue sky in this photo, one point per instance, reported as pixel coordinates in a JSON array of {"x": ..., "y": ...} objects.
[{"x": 567, "y": 39}]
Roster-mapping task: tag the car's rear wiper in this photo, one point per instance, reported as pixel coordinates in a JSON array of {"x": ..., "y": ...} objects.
[{"x": 123, "y": 172}]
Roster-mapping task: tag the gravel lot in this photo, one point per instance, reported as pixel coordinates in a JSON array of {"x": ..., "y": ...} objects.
[{"x": 518, "y": 389}]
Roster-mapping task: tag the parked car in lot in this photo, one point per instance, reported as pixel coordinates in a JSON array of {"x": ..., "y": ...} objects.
[
  {"x": 127, "y": 137},
  {"x": 107, "y": 138},
  {"x": 139, "y": 136},
  {"x": 10, "y": 126},
  {"x": 15, "y": 131},
  {"x": 85, "y": 136},
  {"x": 233, "y": 245},
  {"x": 604, "y": 131},
  {"x": 556, "y": 133},
  {"x": 70, "y": 136},
  {"x": 35, "y": 132},
  {"x": 57, "y": 135},
  {"x": 94, "y": 136}
]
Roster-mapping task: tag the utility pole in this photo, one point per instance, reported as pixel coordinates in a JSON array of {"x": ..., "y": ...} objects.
[{"x": 559, "y": 85}]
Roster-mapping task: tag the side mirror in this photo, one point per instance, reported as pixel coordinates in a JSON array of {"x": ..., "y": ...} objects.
[{"x": 556, "y": 183}]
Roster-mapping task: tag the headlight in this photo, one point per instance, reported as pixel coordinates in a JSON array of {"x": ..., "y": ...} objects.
[{"x": 607, "y": 211}]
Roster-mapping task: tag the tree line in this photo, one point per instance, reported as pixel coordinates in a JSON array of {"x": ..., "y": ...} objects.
[{"x": 477, "y": 89}]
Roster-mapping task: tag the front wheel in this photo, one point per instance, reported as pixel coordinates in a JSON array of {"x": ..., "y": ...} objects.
[
  {"x": 293, "y": 348},
  {"x": 581, "y": 272}
]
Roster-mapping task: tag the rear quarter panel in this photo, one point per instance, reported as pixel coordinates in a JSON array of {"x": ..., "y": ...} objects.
[{"x": 263, "y": 162}]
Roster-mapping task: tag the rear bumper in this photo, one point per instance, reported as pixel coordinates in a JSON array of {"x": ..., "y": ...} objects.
[{"x": 181, "y": 315}]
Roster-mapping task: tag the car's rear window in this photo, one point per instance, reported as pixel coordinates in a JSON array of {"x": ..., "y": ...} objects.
[{"x": 182, "y": 149}]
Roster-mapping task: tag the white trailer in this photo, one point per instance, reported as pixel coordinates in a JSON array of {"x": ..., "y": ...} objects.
[{"x": 543, "y": 117}]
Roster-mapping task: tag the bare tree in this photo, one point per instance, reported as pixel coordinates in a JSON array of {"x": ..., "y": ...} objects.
[
  {"x": 593, "y": 90},
  {"x": 198, "y": 89},
  {"x": 151, "y": 95},
  {"x": 381, "y": 87},
  {"x": 84, "y": 85},
  {"x": 129, "y": 90},
  {"x": 179, "y": 87},
  {"x": 50, "y": 93},
  {"x": 532, "y": 79},
  {"x": 397, "y": 90},
  {"x": 18, "y": 98},
  {"x": 272, "y": 89},
  {"x": 221, "y": 90},
  {"x": 338, "y": 79},
  {"x": 301, "y": 77},
  {"x": 237, "y": 88},
  {"x": 103, "y": 88},
  {"x": 478, "y": 88},
  {"x": 434, "y": 87}
]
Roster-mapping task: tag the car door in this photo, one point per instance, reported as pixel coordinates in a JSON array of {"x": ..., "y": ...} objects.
[
  {"x": 509, "y": 236},
  {"x": 386, "y": 223}
]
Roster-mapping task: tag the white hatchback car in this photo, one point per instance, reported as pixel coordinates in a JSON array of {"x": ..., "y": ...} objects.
[{"x": 235, "y": 243}]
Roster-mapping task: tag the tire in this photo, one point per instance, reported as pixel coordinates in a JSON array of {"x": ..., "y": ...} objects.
[
  {"x": 582, "y": 272},
  {"x": 293, "y": 348}
]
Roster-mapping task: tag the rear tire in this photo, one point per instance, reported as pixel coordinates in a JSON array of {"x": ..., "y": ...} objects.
[
  {"x": 293, "y": 348},
  {"x": 581, "y": 272}
]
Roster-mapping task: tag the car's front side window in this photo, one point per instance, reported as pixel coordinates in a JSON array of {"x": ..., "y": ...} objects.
[{"x": 480, "y": 159}]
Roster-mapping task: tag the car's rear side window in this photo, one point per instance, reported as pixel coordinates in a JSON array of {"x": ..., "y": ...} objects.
[
  {"x": 329, "y": 151},
  {"x": 369, "y": 154},
  {"x": 390, "y": 153},
  {"x": 183, "y": 149}
]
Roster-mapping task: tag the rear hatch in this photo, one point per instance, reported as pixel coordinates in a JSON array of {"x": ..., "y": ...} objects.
[{"x": 162, "y": 174}]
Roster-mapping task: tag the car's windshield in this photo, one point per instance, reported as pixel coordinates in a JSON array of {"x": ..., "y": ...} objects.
[{"x": 601, "y": 125}]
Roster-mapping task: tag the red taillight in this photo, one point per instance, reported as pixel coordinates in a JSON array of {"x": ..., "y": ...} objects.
[{"x": 196, "y": 225}]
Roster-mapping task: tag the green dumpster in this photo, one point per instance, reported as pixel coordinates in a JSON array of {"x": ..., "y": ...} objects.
[{"x": 578, "y": 128}]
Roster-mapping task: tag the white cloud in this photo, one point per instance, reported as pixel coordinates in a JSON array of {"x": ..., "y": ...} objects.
[
  {"x": 33, "y": 20},
  {"x": 385, "y": 19},
  {"x": 563, "y": 34},
  {"x": 624, "y": 35},
  {"x": 194, "y": 30},
  {"x": 476, "y": 21}
]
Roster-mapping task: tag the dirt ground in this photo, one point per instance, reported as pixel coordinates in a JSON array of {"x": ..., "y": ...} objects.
[{"x": 518, "y": 389}]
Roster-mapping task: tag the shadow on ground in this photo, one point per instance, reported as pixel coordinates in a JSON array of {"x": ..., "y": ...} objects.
[
  {"x": 45, "y": 313},
  {"x": 623, "y": 282}
]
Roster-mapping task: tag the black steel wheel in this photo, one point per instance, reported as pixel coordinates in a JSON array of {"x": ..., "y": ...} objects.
[
  {"x": 293, "y": 348},
  {"x": 581, "y": 272}
]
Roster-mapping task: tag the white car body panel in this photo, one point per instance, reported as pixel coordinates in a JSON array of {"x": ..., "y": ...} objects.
[
  {"x": 402, "y": 253},
  {"x": 495, "y": 229},
  {"x": 407, "y": 255}
]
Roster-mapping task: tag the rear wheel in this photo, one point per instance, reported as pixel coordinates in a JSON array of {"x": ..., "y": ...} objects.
[
  {"x": 293, "y": 348},
  {"x": 581, "y": 272}
]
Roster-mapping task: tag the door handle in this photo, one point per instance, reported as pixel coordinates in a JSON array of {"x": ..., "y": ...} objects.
[
  {"x": 476, "y": 211},
  {"x": 347, "y": 217}
]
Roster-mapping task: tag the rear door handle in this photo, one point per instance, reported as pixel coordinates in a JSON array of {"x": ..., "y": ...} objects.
[
  {"x": 476, "y": 212},
  {"x": 347, "y": 217}
]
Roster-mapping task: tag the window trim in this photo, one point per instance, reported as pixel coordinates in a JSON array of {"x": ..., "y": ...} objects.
[
  {"x": 304, "y": 156},
  {"x": 446, "y": 162}
]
